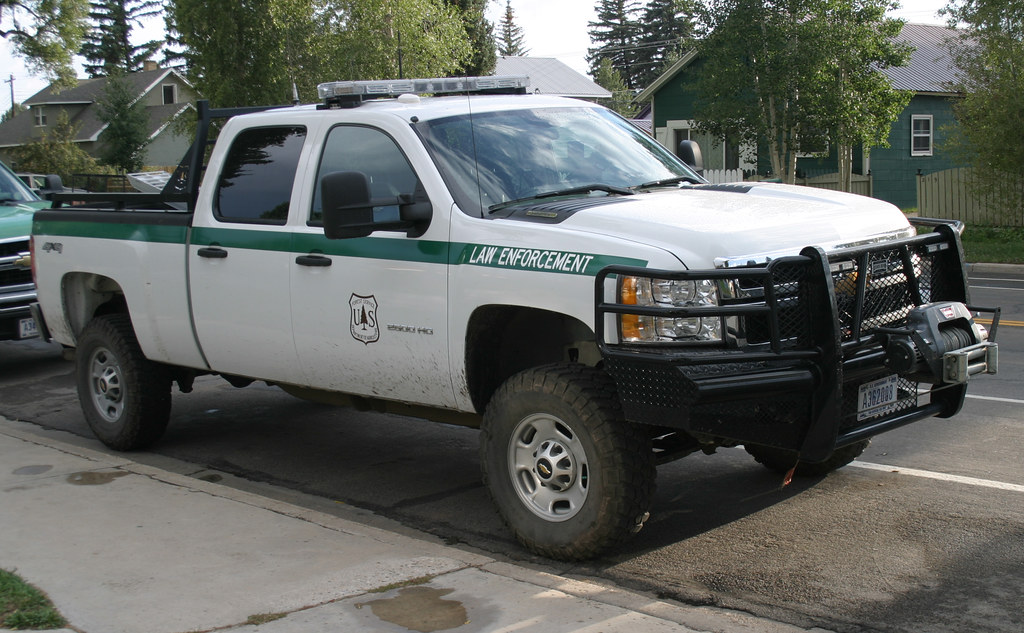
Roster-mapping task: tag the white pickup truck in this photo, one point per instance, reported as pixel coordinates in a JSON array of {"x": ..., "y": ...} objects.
[{"x": 533, "y": 266}]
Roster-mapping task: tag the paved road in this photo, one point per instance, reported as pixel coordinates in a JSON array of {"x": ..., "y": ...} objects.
[{"x": 924, "y": 533}]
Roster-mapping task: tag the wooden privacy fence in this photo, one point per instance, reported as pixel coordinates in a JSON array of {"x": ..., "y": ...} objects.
[{"x": 948, "y": 194}]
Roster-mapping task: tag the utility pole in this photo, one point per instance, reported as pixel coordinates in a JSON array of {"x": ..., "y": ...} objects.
[{"x": 11, "y": 81}]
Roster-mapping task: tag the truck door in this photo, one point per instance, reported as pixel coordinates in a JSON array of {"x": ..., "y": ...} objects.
[
  {"x": 370, "y": 314},
  {"x": 240, "y": 259}
]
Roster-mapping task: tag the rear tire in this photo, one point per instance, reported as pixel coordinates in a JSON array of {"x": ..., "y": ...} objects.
[
  {"x": 570, "y": 476},
  {"x": 125, "y": 397},
  {"x": 782, "y": 461}
]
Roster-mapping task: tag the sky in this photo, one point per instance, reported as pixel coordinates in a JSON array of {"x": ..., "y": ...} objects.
[{"x": 551, "y": 28}]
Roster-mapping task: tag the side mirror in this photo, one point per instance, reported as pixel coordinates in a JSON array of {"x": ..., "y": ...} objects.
[
  {"x": 51, "y": 184},
  {"x": 689, "y": 151},
  {"x": 348, "y": 208}
]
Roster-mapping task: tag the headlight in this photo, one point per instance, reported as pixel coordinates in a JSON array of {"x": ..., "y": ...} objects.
[{"x": 667, "y": 293}]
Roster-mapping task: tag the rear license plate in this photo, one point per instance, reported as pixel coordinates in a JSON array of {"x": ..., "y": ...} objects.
[
  {"x": 27, "y": 328},
  {"x": 878, "y": 397}
]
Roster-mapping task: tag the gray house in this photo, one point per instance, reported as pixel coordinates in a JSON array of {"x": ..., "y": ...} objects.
[{"x": 164, "y": 92}]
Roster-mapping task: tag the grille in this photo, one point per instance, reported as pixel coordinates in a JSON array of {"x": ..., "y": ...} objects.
[
  {"x": 10, "y": 275},
  {"x": 12, "y": 249},
  {"x": 791, "y": 314},
  {"x": 15, "y": 277}
]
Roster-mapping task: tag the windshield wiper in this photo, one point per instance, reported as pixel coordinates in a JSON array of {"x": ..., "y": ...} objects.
[
  {"x": 571, "y": 191},
  {"x": 675, "y": 180}
]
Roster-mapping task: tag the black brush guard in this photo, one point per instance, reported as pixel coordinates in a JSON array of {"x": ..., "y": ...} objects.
[{"x": 809, "y": 338}]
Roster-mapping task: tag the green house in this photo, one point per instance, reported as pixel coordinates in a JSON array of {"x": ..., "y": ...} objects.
[{"x": 915, "y": 139}]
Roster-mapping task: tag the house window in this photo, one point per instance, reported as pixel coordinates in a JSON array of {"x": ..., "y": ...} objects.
[
  {"x": 40, "y": 116},
  {"x": 921, "y": 135},
  {"x": 170, "y": 94}
]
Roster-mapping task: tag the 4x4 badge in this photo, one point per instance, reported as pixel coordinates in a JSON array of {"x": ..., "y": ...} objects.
[{"x": 364, "y": 319}]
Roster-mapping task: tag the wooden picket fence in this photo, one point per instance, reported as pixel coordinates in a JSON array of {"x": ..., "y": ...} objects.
[
  {"x": 948, "y": 194},
  {"x": 860, "y": 184},
  {"x": 722, "y": 176}
]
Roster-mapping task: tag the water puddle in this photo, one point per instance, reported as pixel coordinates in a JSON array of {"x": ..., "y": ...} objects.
[
  {"x": 93, "y": 478},
  {"x": 420, "y": 609}
]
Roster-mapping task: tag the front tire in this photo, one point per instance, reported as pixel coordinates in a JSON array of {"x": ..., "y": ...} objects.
[
  {"x": 125, "y": 397},
  {"x": 570, "y": 476}
]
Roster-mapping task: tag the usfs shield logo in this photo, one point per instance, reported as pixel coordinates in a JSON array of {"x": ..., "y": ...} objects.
[{"x": 364, "y": 319}]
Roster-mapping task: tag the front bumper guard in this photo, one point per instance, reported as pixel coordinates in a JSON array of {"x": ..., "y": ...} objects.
[{"x": 820, "y": 338}]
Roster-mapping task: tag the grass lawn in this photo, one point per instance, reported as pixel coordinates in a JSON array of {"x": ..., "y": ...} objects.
[
  {"x": 22, "y": 606},
  {"x": 994, "y": 245}
]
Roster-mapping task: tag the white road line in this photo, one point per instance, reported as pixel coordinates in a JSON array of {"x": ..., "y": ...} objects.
[
  {"x": 994, "y": 399},
  {"x": 995, "y": 279},
  {"x": 927, "y": 474},
  {"x": 976, "y": 287}
]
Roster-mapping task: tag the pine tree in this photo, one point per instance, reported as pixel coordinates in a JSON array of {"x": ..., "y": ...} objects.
[
  {"x": 108, "y": 45},
  {"x": 666, "y": 26},
  {"x": 481, "y": 36},
  {"x": 616, "y": 33},
  {"x": 511, "y": 39},
  {"x": 125, "y": 135}
]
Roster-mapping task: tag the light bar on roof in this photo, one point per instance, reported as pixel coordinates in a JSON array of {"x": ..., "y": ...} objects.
[{"x": 440, "y": 85}]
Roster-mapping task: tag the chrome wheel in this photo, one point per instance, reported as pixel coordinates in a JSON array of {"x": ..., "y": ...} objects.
[
  {"x": 548, "y": 466},
  {"x": 107, "y": 384}
]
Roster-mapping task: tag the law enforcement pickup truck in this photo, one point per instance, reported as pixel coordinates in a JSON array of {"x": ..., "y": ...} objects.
[{"x": 533, "y": 266}]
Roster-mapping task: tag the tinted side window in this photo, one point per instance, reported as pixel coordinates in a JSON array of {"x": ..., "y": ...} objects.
[
  {"x": 355, "y": 148},
  {"x": 256, "y": 182}
]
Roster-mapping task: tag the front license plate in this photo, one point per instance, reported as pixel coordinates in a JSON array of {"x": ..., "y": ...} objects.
[
  {"x": 878, "y": 397},
  {"x": 27, "y": 328}
]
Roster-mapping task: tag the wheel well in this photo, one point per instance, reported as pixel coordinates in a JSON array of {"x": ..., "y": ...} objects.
[
  {"x": 87, "y": 296},
  {"x": 503, "y": 340}
]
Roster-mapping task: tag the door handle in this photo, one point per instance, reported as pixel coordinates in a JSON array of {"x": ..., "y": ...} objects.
[
  {"x": 212, "y": 252},
  {"x": 313, "y": 260}
]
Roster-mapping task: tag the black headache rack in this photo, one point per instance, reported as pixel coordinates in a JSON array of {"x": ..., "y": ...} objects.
[
  {"x": 182, "y": 189},
  {"x": 819, "y": 351}
]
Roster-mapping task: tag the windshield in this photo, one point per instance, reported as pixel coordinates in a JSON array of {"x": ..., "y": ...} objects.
[
  {"x": 12, "y": 189},
  {"x": 491, "y": 158}
]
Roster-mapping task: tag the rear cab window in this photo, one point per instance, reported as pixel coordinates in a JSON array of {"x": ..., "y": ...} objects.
[{"x": 255, "y": 184}]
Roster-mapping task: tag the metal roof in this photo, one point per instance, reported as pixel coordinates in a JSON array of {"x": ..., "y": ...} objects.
[
  {"x": 550, "y": 76},
  {"x": 931, "y": 67}
]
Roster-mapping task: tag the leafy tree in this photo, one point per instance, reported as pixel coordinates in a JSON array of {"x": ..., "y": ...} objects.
[
  {"x": 855, "y": 102},
  {"x": 511, "y": 39},
  {"x": 55, "y": 152},
  {"x": 615, "y": 32},
  {"x": 126, "y": 134},
  {"x": 108, "y": 45},
  {"x": 665, "y": 28},
  {"x": 46, "y": 33},
  {"x": 795, "y": 73},
  {"x": 622, "y": 97},
  {"x": 481, "y": 37},
  {"x": 400, "y": 38},
  {"x": 990, "y": 114},
  {"x": 252, "y": 52},
  {"x": 16, "y": 109}
]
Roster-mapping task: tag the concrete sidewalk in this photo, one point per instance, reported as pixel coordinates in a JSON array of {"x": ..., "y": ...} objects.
[{"x": 124, "y": 547}]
